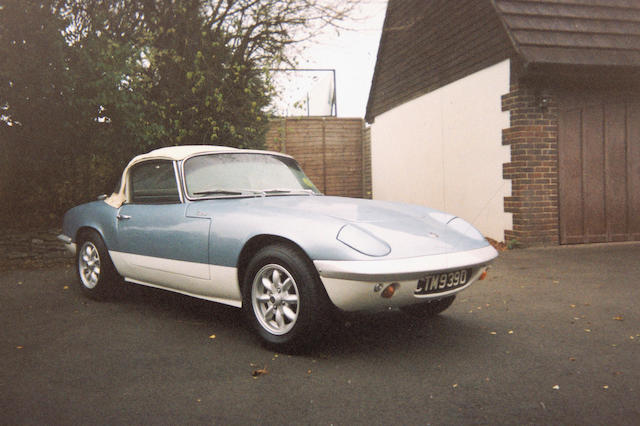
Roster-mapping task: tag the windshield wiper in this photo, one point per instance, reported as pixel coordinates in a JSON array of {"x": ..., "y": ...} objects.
[
  {"x": 263, "y": 193},
  {"x": 219, "y": 192},
  {"x": 279, "y": 191}
]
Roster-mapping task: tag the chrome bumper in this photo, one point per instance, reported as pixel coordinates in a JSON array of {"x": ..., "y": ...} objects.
[
  {"x": 68, "y": 243},
  {"x": 355, "y": 285},
  {"x": 403, "y": 269}
]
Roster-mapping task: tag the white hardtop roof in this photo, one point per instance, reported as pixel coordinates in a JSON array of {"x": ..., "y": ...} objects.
[
  {"x": 175, "y": 153},
  {"x": 178, "y": 153}
]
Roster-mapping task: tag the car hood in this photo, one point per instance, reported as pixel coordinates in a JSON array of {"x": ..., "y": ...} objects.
[
  {"x": 407, "y": 230},
  {"x": 354, "y": 210}
]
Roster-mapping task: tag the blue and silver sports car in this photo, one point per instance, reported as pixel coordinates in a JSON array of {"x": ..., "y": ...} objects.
[{"x": 249, "y": 229}]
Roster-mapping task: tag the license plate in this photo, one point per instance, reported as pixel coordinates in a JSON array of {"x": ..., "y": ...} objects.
[{"x": 441, "y": 282}]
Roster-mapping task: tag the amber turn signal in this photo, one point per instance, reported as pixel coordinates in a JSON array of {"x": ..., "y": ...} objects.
[
  {"x": 388, "y": 292},
  {"x": 483, "y": 275}
]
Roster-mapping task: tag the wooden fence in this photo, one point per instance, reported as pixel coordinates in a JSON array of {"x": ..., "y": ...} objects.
[{"x": 334, "y": 152}]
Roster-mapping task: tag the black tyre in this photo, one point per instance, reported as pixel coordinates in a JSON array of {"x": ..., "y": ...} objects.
[
  {"x": 96, "y": 273},
  {"x": 283, "y": 298},
  {"x": 429, "y": 309}
]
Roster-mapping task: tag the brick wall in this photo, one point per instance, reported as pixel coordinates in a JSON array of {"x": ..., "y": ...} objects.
[
  {"x": 330, "y": 150},
  {"x": 533, "y": 170}
]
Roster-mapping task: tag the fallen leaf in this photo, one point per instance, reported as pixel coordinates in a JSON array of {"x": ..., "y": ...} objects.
[
  {"x": 66, "y": 287},
  {"x": 572, "y": 305},
  {"x": 556, "y": 387},
  {"x": 308, "y": 371},
  {"x": 631, "y": 337},
  {"x": 493, "y": 332},
  {"x": 510, "y": 331},
  {"x": 571, "y": 358},
  {"x": 605, "y": 387},
  {"x": 19, "y": 347},
  {"x": 260, "y": 372},
  {"x": 556, "y": 282},
  {"x": 588, "y": 330},
  {"x": 455, "y": 385},
  {"x": 213, "y": 336},
  {"x": 618, "y": 318}
]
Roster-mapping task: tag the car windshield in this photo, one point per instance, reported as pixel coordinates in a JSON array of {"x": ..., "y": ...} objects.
[{"x": 240, "y": 174}]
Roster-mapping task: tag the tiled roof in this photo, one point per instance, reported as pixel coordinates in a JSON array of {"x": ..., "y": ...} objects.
[
  {"x": 574, "y": 32},
  {"x": 427, "y": 44}
]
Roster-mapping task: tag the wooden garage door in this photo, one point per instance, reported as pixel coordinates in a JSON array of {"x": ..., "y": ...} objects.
[{"x": 599, "y": 167}]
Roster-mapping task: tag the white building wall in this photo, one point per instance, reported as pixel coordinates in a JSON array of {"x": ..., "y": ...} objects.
[{"x": 444, "y": 150}]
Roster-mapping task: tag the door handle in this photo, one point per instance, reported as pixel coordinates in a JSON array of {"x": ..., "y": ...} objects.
[{"x": 123, "y": 217}]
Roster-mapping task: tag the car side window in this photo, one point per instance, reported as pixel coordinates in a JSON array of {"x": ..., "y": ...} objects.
[{"x": 153, "y": 182}]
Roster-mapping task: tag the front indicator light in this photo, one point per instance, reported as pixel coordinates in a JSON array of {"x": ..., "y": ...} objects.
[
  {"x": 388, "y": 292},
  {"x": 483, "y": 275}
]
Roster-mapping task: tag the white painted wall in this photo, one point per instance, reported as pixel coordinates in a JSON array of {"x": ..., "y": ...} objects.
[{"x": 444, "y": 150}]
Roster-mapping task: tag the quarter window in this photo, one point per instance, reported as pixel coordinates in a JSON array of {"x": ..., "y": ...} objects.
[{"x": 153, "y": 182}]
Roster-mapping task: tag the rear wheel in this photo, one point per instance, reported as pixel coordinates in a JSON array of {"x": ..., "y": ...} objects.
[
  {"x": 429, "y": 309},
  {"x": 283, "y": 298},
  {"x": 96, "y": 273}
]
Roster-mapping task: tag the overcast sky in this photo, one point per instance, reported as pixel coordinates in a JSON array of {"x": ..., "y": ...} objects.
[{"x": 352, "y": 53}]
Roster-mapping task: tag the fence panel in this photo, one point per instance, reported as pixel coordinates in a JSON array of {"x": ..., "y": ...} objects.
[{"x": 333, "y": 152}]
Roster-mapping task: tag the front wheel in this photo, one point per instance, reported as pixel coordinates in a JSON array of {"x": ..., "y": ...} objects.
[{"x": 283, "y": 298}]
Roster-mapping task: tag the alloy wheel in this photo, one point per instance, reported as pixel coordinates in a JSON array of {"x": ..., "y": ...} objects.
[
  {"x": 89, "y": 265},
  {"x": 275, "y": 299}
]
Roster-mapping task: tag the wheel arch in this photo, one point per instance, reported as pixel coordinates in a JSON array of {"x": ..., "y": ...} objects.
[
  {"x": 257, "y": 242},
  {"x": 83, "y": 230}
]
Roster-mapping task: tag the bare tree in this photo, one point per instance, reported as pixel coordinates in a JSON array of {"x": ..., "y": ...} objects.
[{"x": 260, "y": 30}]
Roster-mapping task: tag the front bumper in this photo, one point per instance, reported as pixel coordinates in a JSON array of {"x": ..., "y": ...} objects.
[{"x": 354, "y": 285}]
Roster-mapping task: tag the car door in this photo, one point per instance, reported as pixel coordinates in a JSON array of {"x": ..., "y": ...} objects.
[{"x": 157, "y": 241}]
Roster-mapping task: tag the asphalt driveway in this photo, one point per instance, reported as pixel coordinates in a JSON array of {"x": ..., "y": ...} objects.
[{"x": 551, "y": 337}]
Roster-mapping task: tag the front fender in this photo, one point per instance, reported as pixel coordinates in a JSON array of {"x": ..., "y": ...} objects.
[{"x": 230, "y": 232}]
